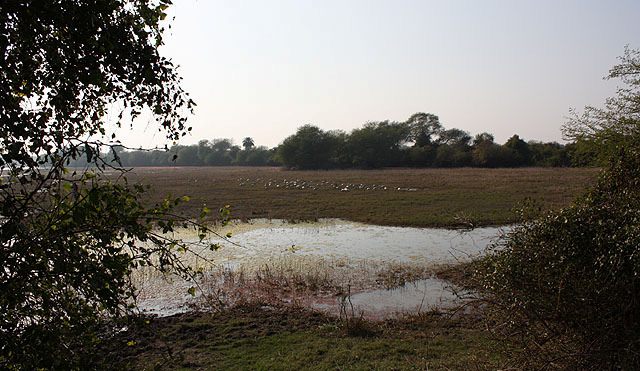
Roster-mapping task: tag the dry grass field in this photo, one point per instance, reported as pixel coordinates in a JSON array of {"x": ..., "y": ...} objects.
[{"x": 404, "y": 197}]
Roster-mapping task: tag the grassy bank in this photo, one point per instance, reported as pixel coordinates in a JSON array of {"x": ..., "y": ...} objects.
[
  {"x": 251, "y": 337},
  {"x": 403, "y": 197}
]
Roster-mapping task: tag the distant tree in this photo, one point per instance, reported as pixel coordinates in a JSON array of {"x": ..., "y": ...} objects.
[
  {"x": 115, "y": 153},
  {"x": 220, "y": 154},
  {"x": 489, "y": 154},
  {"x": 221, "y": 145},
  {"x": 258, "y": 156},
  {"x": 233, "y": 152},
  {"x": 423, "y": 156},
  {"x": 379, "y": 144},
  {"x": 454, "y": 136},
  {"x": 160, "y": 158},
  {"x": 309, "y": 148},
  {"x": 274, "y": 159},
  {"x": 424, "y": 128},
  {"x": 482, "y": 137},
  {"x": 188, "y": 156},
  {"x": 339, "y": 156},
  {"x": 139, "y": 159},
  {"x": 521, "y": 151},
  {"x": 204, "y": 150},
  {"x": 248, "y": 143},
  {"x": 240, "y": 158},
  {"x": 453, "y": 155},
  {"x": 549, "y": 154}
]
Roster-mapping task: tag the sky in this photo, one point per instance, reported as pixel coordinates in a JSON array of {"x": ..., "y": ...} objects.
[{"x": 262, "y": 69}]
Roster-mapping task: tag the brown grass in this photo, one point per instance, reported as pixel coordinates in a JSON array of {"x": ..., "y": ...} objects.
[{"x": 413, "y": 197}]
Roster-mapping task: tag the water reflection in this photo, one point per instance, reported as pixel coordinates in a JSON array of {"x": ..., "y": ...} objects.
[
  {"x": 352, "y": 252},
  {"x": 411, "y": 298},
  {"x": 352, "y": 242}
]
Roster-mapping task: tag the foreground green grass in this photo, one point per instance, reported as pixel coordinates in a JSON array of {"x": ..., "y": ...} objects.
[{"x": 255, "y": 338}]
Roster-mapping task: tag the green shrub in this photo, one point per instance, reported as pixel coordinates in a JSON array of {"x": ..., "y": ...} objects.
[{"x": 569, "y": 281}]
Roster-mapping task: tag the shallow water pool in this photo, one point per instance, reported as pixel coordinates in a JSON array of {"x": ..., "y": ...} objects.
[{"x": 355, "y": 252}]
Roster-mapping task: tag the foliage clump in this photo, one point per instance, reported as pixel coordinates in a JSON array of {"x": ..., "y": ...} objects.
[
  {"x": 69, "y": 239},
  {"x": 599, "y": 133},
  {"x": 568, "y": 283}
]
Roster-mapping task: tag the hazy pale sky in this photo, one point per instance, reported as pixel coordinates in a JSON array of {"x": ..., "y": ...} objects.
[{"x": 264, "y": 68}]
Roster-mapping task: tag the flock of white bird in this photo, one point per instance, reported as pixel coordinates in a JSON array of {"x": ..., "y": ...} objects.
[{"x": 301, "y": 184}]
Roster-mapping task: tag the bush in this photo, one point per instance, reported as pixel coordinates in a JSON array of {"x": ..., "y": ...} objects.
[{"x": 569, "y": 282}]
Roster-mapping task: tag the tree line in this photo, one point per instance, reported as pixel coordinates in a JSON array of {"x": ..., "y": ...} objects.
[
  {"x": 216, "y": 152},
  {"x": 421, "y": 141}
]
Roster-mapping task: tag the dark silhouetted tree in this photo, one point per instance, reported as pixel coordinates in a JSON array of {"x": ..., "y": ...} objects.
[
  {"x": 424, "y": 128},
  {"x": 248, "y": 143},
  {"x": 69, "y": 240},
  {"x": 482, "y": 137},
  {"x": 378, "y": 144},
  {"x": 489, "y": 154},
  {"x": 521, "y": 151},
  {"x": 309, "y": 148},
  {"x": 454, "y": 136}
]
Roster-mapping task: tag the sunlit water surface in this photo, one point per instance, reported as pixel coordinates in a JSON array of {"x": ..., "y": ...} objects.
[{"x": 329, "y": 245}]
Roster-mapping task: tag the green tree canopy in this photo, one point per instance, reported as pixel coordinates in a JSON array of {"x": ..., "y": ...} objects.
[
  {"x": 454, "y": 136},
  {"x": 603, "y": 132},
  {"x": 310, "y": 148},
  {"x": 489, "y": 154},
  {"x": 482, "y": 137},
  {"x": 70, "y": 240},
  {"x": 521, "y": 151},
  {"x": 378, "y": 144},
  {"x": 424, "y": 128}
]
